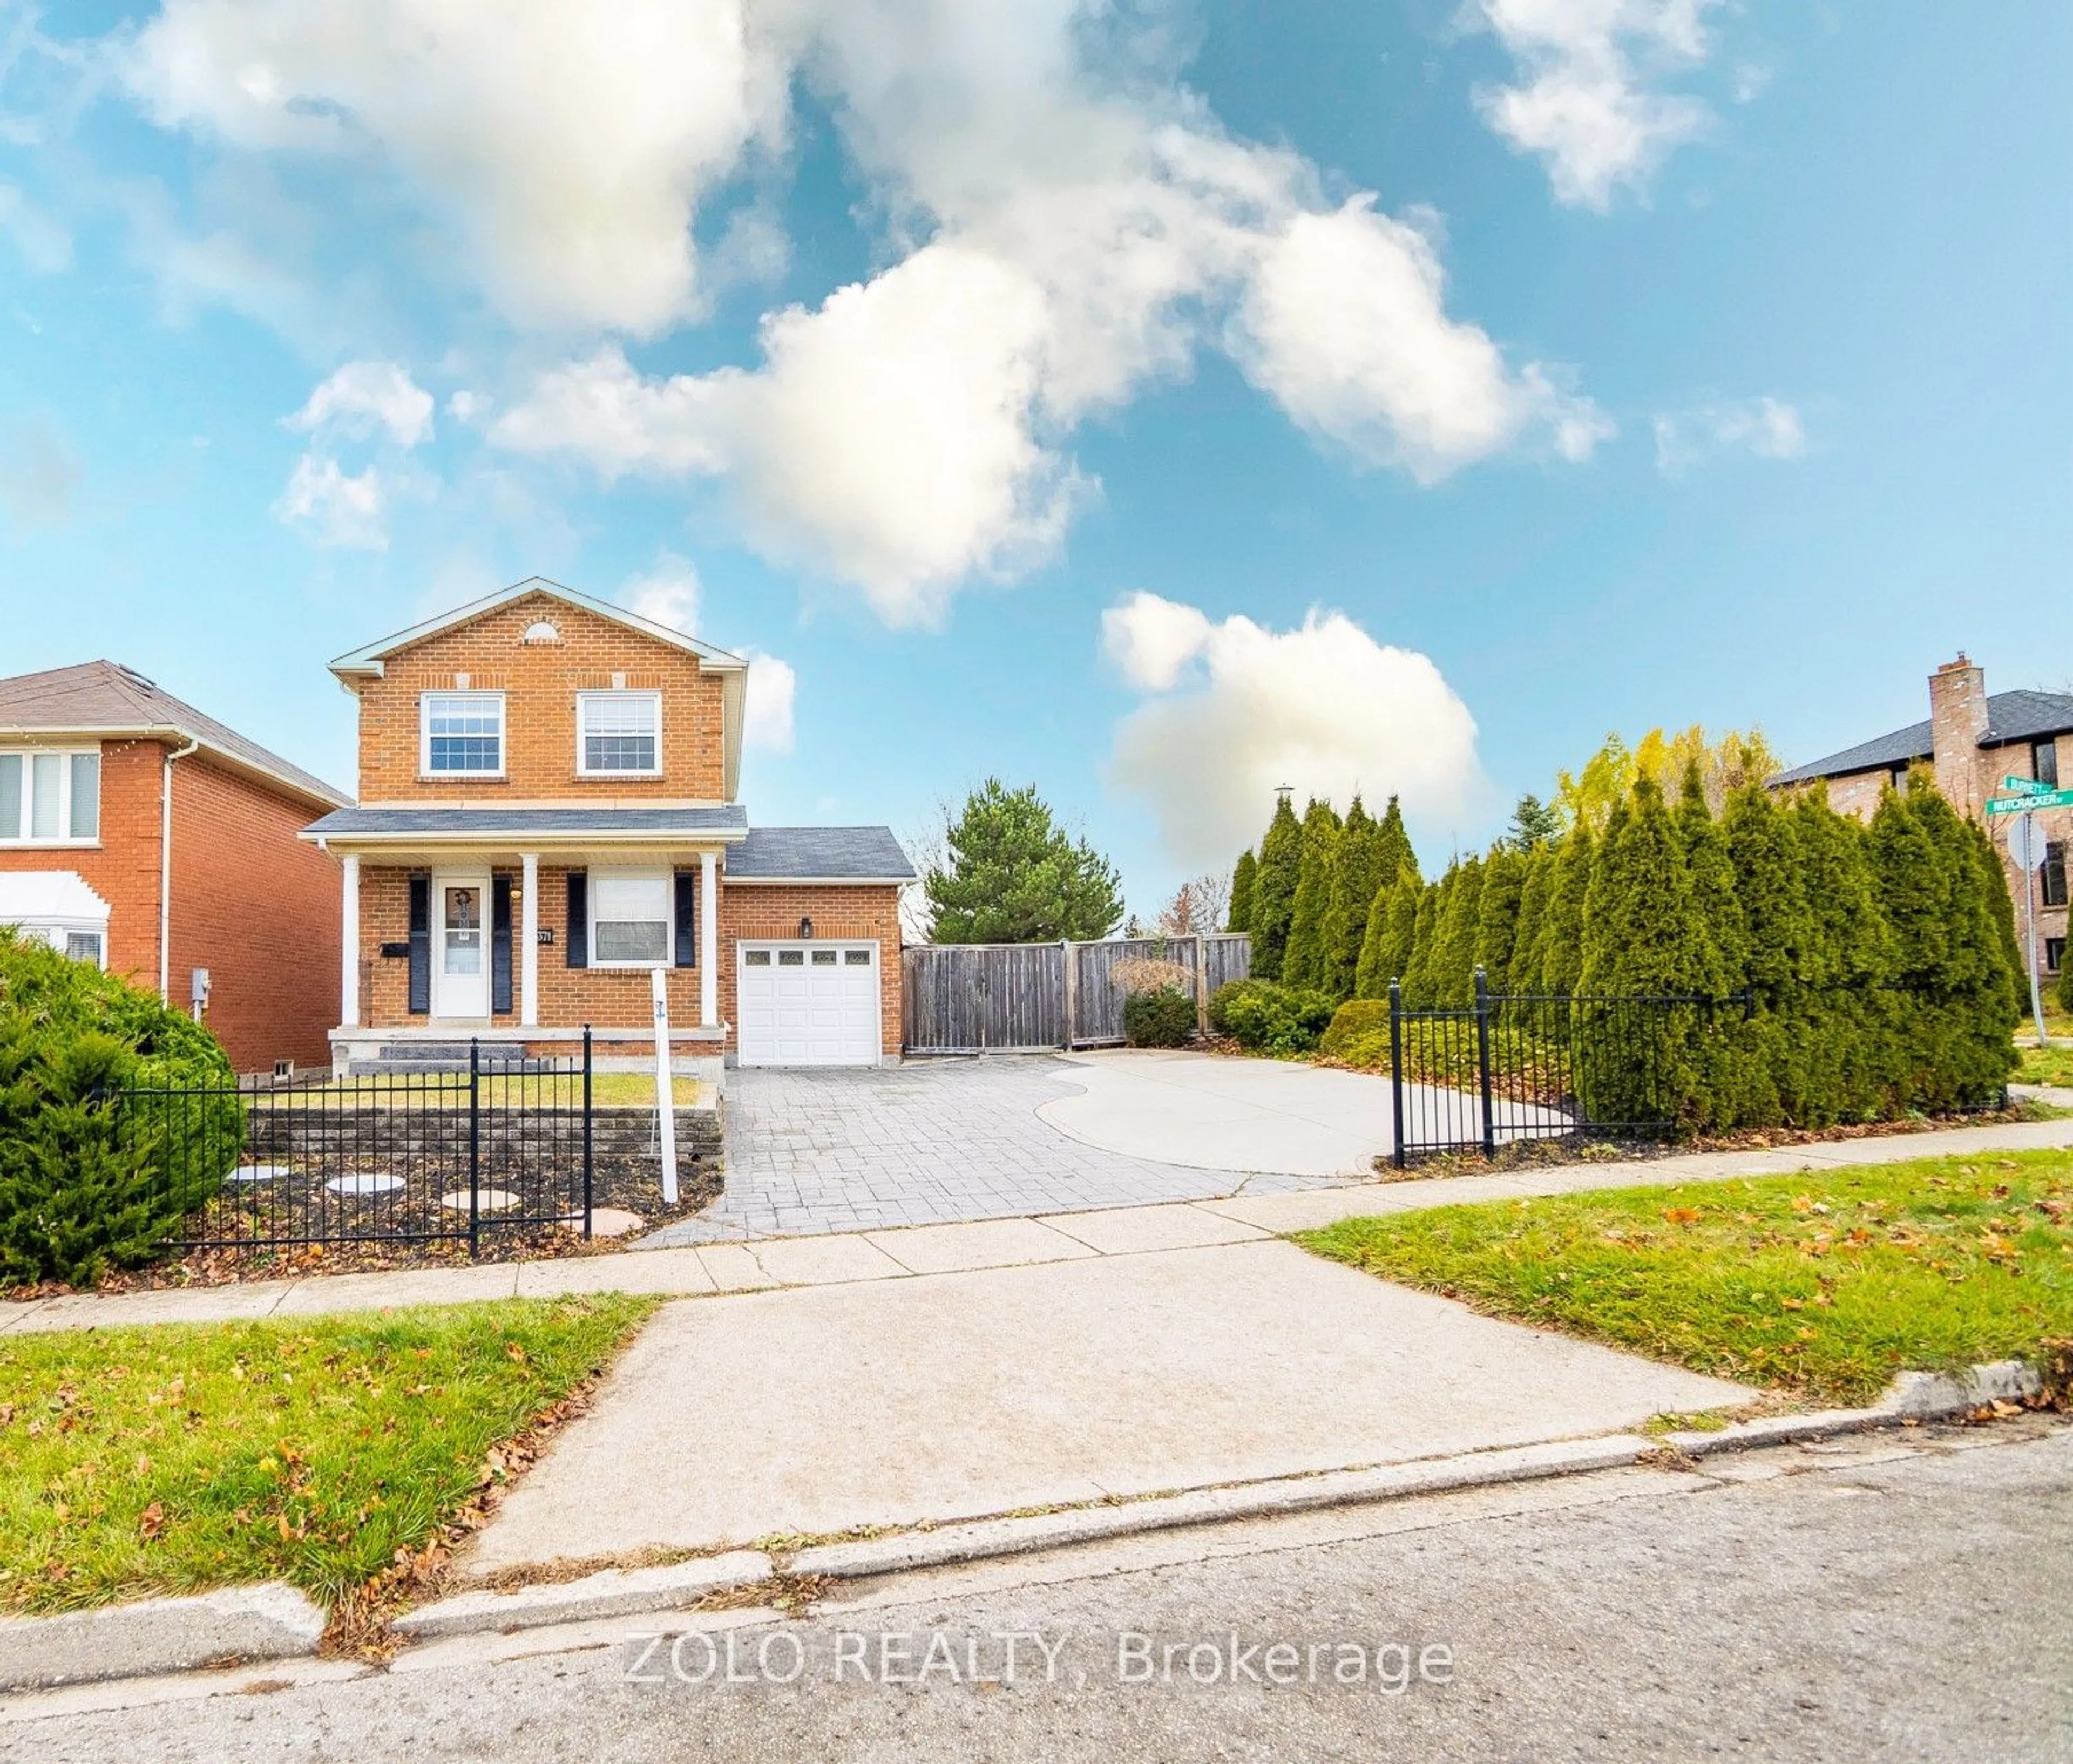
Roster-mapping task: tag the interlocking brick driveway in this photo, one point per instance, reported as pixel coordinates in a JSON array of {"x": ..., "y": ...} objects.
[{"x": 924, "y": 1143}]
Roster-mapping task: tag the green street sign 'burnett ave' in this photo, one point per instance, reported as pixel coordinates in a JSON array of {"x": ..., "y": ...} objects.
[
  {"x": 2022, "y": 805},
  {"x": 2025, "y": 787}
]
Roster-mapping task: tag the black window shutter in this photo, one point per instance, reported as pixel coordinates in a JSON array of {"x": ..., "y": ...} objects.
[
  {"x": 687, "y": 918},
  {"x": 421, "y": 945},
  {"x": 500, "y": 945},
  {"x": 579, "y": 940}
]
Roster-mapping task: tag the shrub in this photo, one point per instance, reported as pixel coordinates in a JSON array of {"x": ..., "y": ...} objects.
[
  {"x": 1161, "y": 1019},
  {"x": 85, "y": 1183},
  {"x": 1269, "y": 1019},
  {"x": 1359, "y": 1033}
]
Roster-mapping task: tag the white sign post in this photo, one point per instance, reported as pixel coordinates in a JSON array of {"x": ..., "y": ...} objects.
[
  {"x": 2025, "y": 849},
  {"x": 665, "y": 1105}
]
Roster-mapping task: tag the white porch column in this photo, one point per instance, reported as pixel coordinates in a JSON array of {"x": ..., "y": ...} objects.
[
  {"x": 348, "y": 938},
  {"x": 708, "y": 939},
  {"x": 528, "y": 937}
]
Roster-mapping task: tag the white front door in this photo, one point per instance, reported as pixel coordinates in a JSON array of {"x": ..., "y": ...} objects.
[
  {"x": 460, "y": 946},
  {"x": 807, "y": 1004}
]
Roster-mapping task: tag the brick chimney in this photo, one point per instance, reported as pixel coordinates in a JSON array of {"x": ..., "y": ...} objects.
[{"x": 1957, "y": 723}]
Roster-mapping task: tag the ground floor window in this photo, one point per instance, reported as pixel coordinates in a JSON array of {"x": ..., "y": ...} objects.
[
  {"x": 2055, "y": 954},
  {"x": 630, "y": 919},
  {"x": 2054, "y": 872}
]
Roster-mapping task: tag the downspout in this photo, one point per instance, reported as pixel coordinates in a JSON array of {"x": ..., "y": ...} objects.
[{"x": 166, "y": 867}]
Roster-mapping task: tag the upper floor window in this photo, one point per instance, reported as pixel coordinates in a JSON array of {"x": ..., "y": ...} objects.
[
  {"x": 463, "y": 735},
  {"x": 619, "y": 732},
  {"x": 50, "y": 797},
  {"x": 2054, "y": 872},
  {"x": 2044, "y": 762}
]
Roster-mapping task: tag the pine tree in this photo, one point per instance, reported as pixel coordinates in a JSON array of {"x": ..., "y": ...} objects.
[
  {"x": 1012, "y": 875},
  {"x": 1559, "y": 954},
  {"x": 1370, "y": 976},
  {"x": 1243, "y": 877},
  {"x": 1305, "y": 956},
  {"x": 1406, "y": 903},
  {"x": 1497, "y": 916},
  {"x": 1852, "y": 1057},
  {"x": 2002, "y": 901},
  {"x": 1274, "y": 890},
  {"x": 1357, "y": 875}
]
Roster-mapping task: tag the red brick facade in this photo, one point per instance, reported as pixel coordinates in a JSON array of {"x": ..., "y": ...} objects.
[
  {"x": 250, "y": 903},
  {"x": 540, "y": 680}
]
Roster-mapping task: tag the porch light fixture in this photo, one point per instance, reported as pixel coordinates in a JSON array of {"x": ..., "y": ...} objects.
[{"x": 805, "y": 929}]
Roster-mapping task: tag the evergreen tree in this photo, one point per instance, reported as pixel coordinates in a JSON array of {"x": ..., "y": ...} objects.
[
  {"x": 2066, "y": 979},
  {"x": 1497, "y": 915},
  {"x": 2014, "y": 951},
  {"x": 1534, "y": 824},
  {"x": 1420, "y": 968},
  {"x": 1243, "y": 877},
  {"x": 1393, "y": 844},
  {"x": 1560, "y": 955},
  {"x": 1370, "y": 980},
  {"x": 1274, "y": 890},
  {"x": 1012, "y": 875},
  {"x": 1305, "y": 955},
  {"x": 1534, "y": 893},
  {"x": 1851, "y": 1052},
  {"x": 1452, "y": 978},
  {"x": 1406, "y": 903},
  {"x": 1356, "y": 876}
]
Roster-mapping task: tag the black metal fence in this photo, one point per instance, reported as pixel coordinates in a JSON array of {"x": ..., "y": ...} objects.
[
  {"x": 400, "y": 1156},
  {"x": 1511, "y": 1067}
]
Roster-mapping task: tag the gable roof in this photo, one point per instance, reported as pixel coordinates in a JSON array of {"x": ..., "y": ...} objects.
[
  {"x": 2011, "y": 716},
  {"x": 733, "y": 670},
  {"x": 370, "y": 658},
  {"x": 109, "y": 701},
  {"x": 852, "y": 854}
]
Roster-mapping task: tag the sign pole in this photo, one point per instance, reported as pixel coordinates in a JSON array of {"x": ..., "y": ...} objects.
[
  {"x": 2027, "y": 826},
  {"x": 666, "y": 1103}
]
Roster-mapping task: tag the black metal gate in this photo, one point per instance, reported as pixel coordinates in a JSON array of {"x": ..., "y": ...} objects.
[{"x": 404, "y": 1156}]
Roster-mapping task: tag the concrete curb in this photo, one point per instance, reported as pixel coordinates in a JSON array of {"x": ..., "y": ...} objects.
[
  {"x": 154, "y": 1636},
  {"x": 612, "y": 1592},
  {"x": 1912, "y": 1396},
  {"x": 1209, "y": 1506}
]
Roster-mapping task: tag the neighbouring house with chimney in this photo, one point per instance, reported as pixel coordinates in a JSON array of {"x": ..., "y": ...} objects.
[{"x": 1972, "y": 740}]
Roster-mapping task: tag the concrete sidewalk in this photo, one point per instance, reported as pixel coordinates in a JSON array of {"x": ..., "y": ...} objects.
[{"x": 842, "y": 1258}]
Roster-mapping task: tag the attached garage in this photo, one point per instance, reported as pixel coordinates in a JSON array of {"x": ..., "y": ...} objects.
[{"x": 808, "y": 1003}]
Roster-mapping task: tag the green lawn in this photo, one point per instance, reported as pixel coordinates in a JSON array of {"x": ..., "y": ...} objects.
[
  {"x": 1822, "y": 1285},
  {"x": 2043, "y": 1065},
  {"x": 181, "y": 1457}
]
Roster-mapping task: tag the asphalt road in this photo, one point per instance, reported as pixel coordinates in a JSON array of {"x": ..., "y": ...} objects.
[{"x": 1900, "y": 1597}]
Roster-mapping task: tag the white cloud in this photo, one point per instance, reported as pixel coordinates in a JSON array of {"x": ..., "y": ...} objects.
[
  {"x": 1345, "y": 324},
  {"x": 335, "y": 508},
  {"x": 569, "y": 144},
  {"x": 766, "y": 718},
  {"x": 362, "y": 398},
  {"x": 1584, "y": 101},
  {"x": 1152, "y": 639},
  {"x": 1323, "y": 708},
  {"x": 669, "y": 593},
  {"x": 1767, "y": 427}
]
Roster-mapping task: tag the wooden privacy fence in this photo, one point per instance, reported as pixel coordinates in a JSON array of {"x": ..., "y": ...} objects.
[{"x": 1030, "y": 998}]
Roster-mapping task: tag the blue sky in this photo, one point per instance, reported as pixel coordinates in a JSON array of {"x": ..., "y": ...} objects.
[{"x": 1156, "y": 402}]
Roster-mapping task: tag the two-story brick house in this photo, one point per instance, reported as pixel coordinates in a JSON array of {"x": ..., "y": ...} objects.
[
  {"x": 1972, "y": 741},
  {"x": 142, "y": 836},
  {"x": 549, "y": 812}
]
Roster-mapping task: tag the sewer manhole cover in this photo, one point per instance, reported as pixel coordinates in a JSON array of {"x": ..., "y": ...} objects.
[
  {"x": 487, "y": 1201},
  {"x": 365, "y": 1183},
  {"x": 260, "y": 1173}
]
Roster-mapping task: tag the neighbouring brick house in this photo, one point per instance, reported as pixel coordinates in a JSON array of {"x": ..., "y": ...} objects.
[
  {"x": 1972, "y": 740},
  {"x": 549, "y": 812},
  {"x": 138, "y": 834}
]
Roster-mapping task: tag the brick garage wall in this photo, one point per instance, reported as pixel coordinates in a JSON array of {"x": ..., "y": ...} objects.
[
  {"x": 617, "y": 998},
  {"x": 260, "y": 909},
  {"x": 540, "y": 682},
  {"x": 754, "y": 910},
  {"x": 123, "y": 867}
]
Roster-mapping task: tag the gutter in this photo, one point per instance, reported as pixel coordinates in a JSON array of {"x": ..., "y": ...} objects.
[{"x": 166, "y": 867}]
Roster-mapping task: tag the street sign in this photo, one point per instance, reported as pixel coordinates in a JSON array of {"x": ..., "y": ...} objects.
[
  {"x": 2022, "y": 805},
  {"x": 2025, "y": 845},
  {"x": 2025, "y": 787}
]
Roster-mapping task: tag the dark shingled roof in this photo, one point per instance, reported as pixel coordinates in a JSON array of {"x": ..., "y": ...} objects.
[
  {"x": 103, "y": 695},
  {"x": 495, "y": 823},
  {"x": 819, "y": 855},
  {"x": 2011, "y": 716}
]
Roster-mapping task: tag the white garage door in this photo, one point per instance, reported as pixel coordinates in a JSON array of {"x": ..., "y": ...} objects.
[{"x": 807, "y": 1004}]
